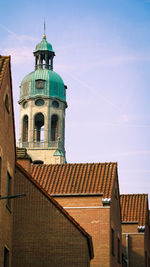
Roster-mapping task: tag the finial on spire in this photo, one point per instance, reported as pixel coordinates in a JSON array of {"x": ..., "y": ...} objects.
[{"x": 44, "y": 35}]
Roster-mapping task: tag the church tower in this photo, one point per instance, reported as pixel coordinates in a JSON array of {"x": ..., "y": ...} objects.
[{"x": 42, "y": 109}]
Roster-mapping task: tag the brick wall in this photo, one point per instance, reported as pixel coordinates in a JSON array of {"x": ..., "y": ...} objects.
[
  {"x": 96, "y": 220},
  {"x": 42, "y": 235},
  {"x": 136, "y": 243},
  {"x": 7, "y": 154},
  {"x": 115, "y": 224}
]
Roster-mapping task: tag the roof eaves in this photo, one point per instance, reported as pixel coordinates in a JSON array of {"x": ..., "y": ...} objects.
[
  {"x": 77, "y": 194},
  {"x": 60, "y": 208}
]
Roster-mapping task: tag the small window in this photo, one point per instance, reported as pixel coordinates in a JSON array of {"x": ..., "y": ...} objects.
[
  {"x": 0, "y": 173},
  {"x": 118, "y": 250},
  {"x": 6, "y": 257},
  {"x": 8, "y": 204},
  {"x": 146, "y": 259},
  {"x": 25, "y": 104},
  {"x": 55, "y": 104},
  {"x": 112, "y": 242},
  {"x": 39, "y": 102},
  {"x": 7, "y": 103}
]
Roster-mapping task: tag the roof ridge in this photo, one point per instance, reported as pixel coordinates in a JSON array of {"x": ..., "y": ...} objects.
[
  {"x": 81, "y": 163},
  {"x": 135, "y": 194}
]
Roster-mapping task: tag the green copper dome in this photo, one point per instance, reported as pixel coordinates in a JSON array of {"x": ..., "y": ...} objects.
[
  {"x": 44, "y": 46},
  {"x": 42, "y": 82}
]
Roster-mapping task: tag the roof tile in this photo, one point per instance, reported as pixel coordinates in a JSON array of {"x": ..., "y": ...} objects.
[
  {"x": 79, "y": 178},
  {"x": 134, "y": 208}
]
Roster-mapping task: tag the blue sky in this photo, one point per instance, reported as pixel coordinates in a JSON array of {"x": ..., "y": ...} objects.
[{"x": 103, "y": 55}]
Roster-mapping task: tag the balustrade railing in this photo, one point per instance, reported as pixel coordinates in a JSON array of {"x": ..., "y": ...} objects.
[{"x": 42, "y": 144}]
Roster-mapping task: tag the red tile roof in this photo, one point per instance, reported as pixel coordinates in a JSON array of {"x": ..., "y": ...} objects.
[
  {"x": 134, "y": 208},
  {"x": 60, "y": 208},
  {"x": 4, "y": 62},
  {"x": 92, "y": 178}
]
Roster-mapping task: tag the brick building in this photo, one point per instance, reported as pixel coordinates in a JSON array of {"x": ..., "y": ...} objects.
[
  {"x": 90, "y": 193},
  {"x": 135, "y": 229},
  {"x": 7, "y": 160}
]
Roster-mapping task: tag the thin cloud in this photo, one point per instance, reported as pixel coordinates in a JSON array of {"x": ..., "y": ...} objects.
[
  {"x": 118, "y": 60},
  {"x": 19, "y": 55},
  {"x": 21, "y": 38},
  {"x": 94, "y": 91}
]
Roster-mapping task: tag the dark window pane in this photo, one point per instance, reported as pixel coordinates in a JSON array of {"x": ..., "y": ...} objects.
[
  {"x": 8, "y": 190},
  {"x": 112, "y": 242},
  {"x": 6, "y": 257},
  {"x": 0, "y": 173},
  {"x": 118, "y": 250}
]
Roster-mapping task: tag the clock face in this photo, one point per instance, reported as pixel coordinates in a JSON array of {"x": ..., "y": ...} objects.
[{"x": 39, "y": 84}]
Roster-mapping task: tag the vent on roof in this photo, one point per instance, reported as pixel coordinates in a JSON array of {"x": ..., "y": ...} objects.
[
  {"x": 141, "y": 228},
  {"x": 106, "y": 201}
]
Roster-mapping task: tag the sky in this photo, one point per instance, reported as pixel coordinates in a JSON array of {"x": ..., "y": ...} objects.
[{"x": 103, "y": 55}]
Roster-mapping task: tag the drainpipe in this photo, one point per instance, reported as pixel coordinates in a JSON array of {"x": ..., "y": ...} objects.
[{"x": 127, "y": 249}]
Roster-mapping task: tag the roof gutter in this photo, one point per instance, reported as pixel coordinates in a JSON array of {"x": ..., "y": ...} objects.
[{"x": 76, "y": 194}]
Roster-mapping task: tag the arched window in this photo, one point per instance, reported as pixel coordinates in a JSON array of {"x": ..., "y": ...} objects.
[
  {"x": 25, "y": 129},
  {"x": 54, "y": 128},
  {"x": 39, "y": 127}
]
